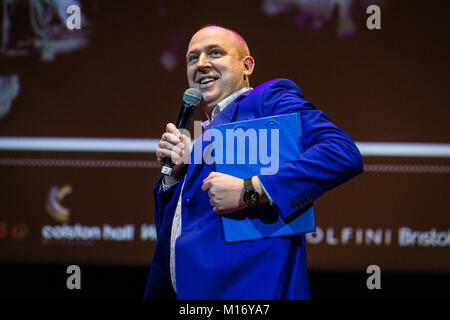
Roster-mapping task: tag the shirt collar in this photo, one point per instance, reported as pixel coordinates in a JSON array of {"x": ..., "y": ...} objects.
[{"x": 223, "y": 104}]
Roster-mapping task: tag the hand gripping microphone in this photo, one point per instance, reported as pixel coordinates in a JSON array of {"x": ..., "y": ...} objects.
[{"x": 191, "y": 99}]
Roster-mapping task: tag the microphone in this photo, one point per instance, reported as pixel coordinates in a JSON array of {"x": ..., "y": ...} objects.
[{"x": 191, "y": 99}]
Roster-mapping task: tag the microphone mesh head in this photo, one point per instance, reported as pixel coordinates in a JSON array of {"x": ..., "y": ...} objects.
[{"x": 192, "y": 96}]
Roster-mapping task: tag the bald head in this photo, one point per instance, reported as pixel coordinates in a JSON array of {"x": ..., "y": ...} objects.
[
  {"x": 218, "y": 63},
  {"x": 239, "y": 41}
]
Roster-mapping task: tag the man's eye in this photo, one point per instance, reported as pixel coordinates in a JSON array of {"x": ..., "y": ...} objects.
[
  {"x": 215, "y": 53},
  {"x": 191, "y": 59}
]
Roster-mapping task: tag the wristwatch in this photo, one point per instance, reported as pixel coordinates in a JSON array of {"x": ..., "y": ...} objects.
[{"x": 250, "y": 196}]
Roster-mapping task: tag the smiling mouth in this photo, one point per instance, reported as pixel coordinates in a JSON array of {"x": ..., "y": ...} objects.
[{"x": 207, "y": 80}]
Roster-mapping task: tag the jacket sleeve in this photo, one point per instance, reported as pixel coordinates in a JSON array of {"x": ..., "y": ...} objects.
[
  {"x": 329, "y": 158},
  {"x": 165, "y": 201}
]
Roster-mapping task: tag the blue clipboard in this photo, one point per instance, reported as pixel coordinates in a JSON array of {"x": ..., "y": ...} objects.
[{"x": 277, "y": 134}]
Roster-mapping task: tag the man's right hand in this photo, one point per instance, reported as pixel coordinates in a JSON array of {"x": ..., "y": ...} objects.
[{"x": 175, "y": 146}]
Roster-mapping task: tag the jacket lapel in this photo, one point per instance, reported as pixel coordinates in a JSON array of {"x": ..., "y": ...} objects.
[{"x": 228, "y": 114}]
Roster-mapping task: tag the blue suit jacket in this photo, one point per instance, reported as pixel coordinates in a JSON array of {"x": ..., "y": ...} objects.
[{"x": 274, "y": 268}]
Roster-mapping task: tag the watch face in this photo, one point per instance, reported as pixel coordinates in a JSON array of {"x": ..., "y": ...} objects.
[{"x": 251, "y": 197}]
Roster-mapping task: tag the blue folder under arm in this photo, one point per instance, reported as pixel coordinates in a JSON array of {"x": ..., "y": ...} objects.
[{"x": 256, "y": 147}]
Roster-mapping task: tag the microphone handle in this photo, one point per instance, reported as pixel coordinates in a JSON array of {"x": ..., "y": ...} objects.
[
  {"x": 185, "y": 116},
  {"x": 184, "y": 119}
]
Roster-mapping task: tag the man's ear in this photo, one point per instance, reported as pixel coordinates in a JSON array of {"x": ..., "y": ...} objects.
[{"x": 249, "y": 65}]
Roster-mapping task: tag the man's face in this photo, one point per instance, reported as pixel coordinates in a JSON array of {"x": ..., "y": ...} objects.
[{"x": 215, "y": 64}]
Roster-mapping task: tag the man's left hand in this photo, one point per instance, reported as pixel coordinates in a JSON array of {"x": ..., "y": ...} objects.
[{"x": 225, "y": 192}]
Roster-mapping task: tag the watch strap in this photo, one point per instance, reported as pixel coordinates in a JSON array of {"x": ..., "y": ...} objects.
[{"x": 248, "y": 185}]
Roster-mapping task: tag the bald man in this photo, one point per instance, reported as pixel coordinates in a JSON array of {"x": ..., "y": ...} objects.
[{"x": 191, "y": 259}]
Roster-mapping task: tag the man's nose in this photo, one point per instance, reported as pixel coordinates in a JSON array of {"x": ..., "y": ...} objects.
[{"x": 203, "y": 61}]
